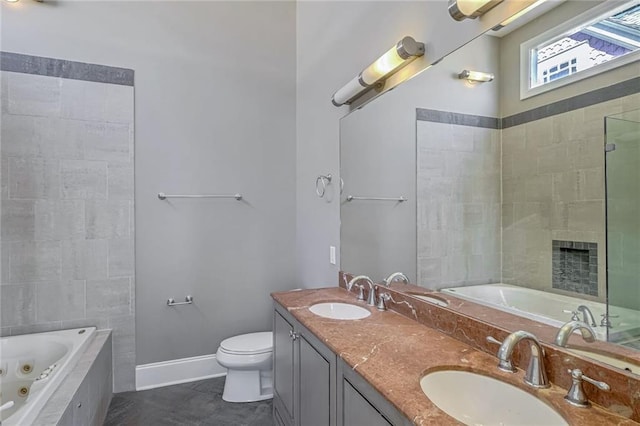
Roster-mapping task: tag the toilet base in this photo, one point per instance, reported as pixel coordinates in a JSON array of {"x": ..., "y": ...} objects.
[{"x": 247, "y": 386}]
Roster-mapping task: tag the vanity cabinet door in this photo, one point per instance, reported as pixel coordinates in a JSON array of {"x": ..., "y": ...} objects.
[
  {"x": 315, "y": 388},
  {"x": 358, "y": 403},
  {"x": 358, "y": 411},
  {"x": 283, "y": 368},
  {"x": 304, "y": 375}
]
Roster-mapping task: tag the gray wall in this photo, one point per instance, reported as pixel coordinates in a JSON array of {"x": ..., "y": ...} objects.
[
  {"x": 379, "y": 144},
  {"x": 212, "y": 116},
  {"x": 211, "y": 120},
  {"x": 377, "y": 159},
  {"x": 67, "y": 209},
  {"x": 336, "y": 40}
]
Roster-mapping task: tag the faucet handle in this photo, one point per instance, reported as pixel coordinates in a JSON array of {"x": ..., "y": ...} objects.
[
  {"x": 600, "y": 385},
  {"x": 492, "y": 339},
  {"x": 605, "y": 320},
  {"x": 384, "y": 297},
  {"x": 575, "y": 395},
  {"x": 360, "y": 288},
  {"x": 575, "y": 315}
]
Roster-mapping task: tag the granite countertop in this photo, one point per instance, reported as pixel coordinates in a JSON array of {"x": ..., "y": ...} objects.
[{"x": 393, "y": 352}]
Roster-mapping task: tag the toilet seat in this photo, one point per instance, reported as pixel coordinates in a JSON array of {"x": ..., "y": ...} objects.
[{"x": 248, "y": 344}]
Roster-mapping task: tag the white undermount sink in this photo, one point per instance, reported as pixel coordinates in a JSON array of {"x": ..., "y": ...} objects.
[
  {"x": 474, "y": 399},
  {"x": 340, "y": 311}
]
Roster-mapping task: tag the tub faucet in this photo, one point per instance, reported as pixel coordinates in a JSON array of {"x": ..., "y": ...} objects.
[
  {"x": 566, "y": 330},
  {"x": 587, "y": 315},
  {"x": 396, "y": 276},
  {"x": 535, "y": 375},
  {"x": 606, "y": 321},
  {"x": 371, "y": 299}
]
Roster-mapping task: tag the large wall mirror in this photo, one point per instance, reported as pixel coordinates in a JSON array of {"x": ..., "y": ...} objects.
[{"x": 509, "y": 193}]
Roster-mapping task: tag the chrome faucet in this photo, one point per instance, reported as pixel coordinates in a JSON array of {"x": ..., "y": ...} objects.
[
  {"x": 567, "y": 329},
  {"x": 587, "y": 315},
  {"x": 396, "y": 276},
  {"x": 535, "y": 375},
  {"x": 371, "y": 299}
]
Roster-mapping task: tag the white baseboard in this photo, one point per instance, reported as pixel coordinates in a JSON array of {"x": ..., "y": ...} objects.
[{"x": 175, "y": 371}]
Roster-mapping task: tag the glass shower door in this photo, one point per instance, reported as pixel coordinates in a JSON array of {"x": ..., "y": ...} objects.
[{"x": 623, "y": 227}]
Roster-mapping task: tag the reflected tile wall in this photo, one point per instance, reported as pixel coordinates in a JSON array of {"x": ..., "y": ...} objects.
[
  {"x": 458, "y": 185},
  {"x": 66, "y": 209},
  {"x": 553, "y": 189}
]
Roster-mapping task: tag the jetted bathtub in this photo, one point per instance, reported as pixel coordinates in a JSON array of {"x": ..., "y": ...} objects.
[
  {"x": 549, "y": 308},
  {"x": 33, "y": 366}
]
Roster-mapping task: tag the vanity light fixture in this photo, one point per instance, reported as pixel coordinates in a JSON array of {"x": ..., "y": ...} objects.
[
  {"x": 476, "y": 76},
  {"x": 470, "y": 9},
  {"x": 405, "y": 51},
  {"x": 518, "y": 15}
]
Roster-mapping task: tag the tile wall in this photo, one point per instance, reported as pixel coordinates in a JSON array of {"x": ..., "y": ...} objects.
[
  {"x": 458, "y": 193},
  {"x": 553, "y": 188},
  {"x": 491, "y": 202},
  {"x": 67, "y": 228}
]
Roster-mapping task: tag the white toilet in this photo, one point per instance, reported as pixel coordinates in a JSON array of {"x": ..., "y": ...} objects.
[{"x": 248, "y": 360}]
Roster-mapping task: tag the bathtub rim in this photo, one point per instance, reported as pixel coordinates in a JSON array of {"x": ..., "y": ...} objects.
[
  {"x": 48, "y": 390},
  {"x": 553, "y": 322}
]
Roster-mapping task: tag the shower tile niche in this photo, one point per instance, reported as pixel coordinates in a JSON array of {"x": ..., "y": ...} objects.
[{"x": 575, "y": 267}]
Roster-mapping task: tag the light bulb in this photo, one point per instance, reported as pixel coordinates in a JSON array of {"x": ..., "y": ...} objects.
[{"x": 476, "y": 76}]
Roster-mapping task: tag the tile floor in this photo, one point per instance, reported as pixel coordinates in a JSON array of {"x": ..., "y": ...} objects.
[{"x": 188, "y": 404}]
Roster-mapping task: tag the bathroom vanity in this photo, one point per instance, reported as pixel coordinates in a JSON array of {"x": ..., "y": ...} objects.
[
  {"x": 312, "y": 385},
  {"x": 369, "y": 370}
]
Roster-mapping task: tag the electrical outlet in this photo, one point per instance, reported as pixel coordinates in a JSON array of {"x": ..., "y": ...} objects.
[{"x": 332, "y": 255}]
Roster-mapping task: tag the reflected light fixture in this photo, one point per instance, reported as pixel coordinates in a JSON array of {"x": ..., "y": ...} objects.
[
  {"x": 470, "y": 9},
  {"x": 518, "y": 15},
  {"x": 405, "y": 51},
  {"x": 476, "y": 76}
]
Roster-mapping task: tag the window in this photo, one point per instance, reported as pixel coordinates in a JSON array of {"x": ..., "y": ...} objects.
[
  {"x": 550, "y": 73},
  {"x": 599, "y": 40}
]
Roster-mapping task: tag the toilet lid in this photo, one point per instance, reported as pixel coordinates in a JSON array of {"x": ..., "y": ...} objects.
[{"x": 252, "y": 343}]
